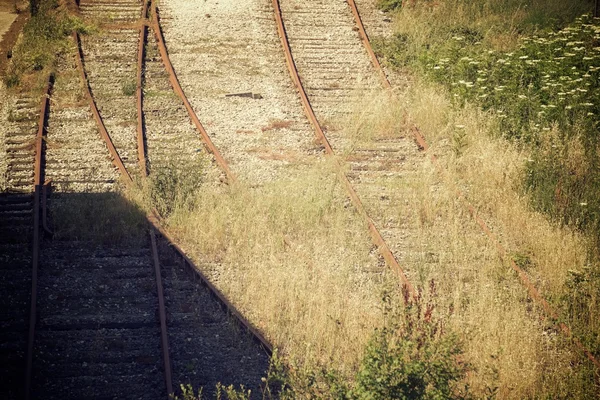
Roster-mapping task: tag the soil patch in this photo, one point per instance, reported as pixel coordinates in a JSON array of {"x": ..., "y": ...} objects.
[{"x": 12, "y": 18}]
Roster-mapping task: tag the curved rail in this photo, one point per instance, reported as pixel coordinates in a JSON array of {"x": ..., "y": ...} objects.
[
  {"x": 367, "y": 43},
  {"x": 155, "y": 23},
  {"x": 103, "y": 132},
  {"x": 423, "y": 145},
  {"x": 36, "y": 231},
  {"x": 154, "y": 217},
  {"x": 378, "y": 240}
]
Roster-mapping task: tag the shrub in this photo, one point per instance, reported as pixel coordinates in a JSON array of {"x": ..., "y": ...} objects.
[
  {"x": 172, "y": 186},
  {"x": 45, "y": 36},
  {"x": 389, "y": 5},
  {"x": 129, "y": 88},
  {"x": 411, "y": 357}
]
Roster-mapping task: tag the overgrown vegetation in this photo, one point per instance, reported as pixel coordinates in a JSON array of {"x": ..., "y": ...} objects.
[
  {"x": 173, "y": 186},
  {"x": 526, "y": 71},
  {"x": 412, "y": 356},
  {"x": 44, "y": 37},
  {"x": 543, "y": 86}
]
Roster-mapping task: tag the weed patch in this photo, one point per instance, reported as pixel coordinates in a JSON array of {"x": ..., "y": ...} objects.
[{"x": 45, "y": 36}]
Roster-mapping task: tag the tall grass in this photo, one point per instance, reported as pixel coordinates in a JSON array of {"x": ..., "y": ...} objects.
[
  {"x": 513, "y": 353},
  {"x": 294, "y": 259}
]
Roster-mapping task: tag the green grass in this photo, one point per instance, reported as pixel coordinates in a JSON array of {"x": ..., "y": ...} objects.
[{"x": 45, "y": 36}]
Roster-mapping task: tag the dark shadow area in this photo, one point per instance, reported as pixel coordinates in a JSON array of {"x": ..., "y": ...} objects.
[{"x": 97, "y": 321}]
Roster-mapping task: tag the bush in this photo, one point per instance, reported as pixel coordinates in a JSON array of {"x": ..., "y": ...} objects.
[
  {"x": 45, "y": 36},
  {"x": 129, "y": 88},
  {"x": 170, "y": 187},
  {"x": 389, "y": 5},
  {"x": 412, "y": 357}
]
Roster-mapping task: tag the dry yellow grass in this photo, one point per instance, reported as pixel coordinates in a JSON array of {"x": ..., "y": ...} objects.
[
  {"x": 511, "y": 348},
  {"x": 296, "y": 259}
]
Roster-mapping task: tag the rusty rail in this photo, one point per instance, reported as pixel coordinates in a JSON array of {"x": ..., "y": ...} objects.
[
  {"x": 156, "y": 221},
  {"x": 551, "y": 313},
  {"x": 367, "y": 43},
  {"x": 116, "y": 159},
  {"x": 378, "y": 240},
  {"x": 162, "y": 314},
  {"x": 154, "y": 217},
  {"x": 164, "y": 54},
  {"x": 36, "y": 231},
  {"x": 141, "y": 146}
]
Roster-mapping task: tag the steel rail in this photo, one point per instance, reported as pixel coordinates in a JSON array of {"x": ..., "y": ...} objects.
[
  {"x": 156, "y": 221},
  {"x": 164, "y": 54},
  {"x": 38, "y": 174},
  {"x": 116, "y": 159},
  {"x": 378, "y": 240},
  {"x": 164, "y": 338},
  {"x": 142, "y": 160},
  {"x": 141, "y": 146},
  {"x": 552, "y": 314},
  {"x": 367, "y": 43}
]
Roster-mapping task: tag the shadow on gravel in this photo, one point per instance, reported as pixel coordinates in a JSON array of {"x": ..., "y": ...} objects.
[{"x": 97, "y": 321}]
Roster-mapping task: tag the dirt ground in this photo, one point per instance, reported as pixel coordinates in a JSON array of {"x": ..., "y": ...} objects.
[{"x": 13, "y": 14}]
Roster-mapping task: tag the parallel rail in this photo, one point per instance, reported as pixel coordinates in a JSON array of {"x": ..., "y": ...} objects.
[
  {"x": 155, "y": 23},
  {"x": 378, "y": 240},
  {"x": 153, "y": 218},
  {"x": 551, "y": 313}
]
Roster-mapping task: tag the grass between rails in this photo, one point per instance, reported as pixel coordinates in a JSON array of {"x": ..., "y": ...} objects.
[
  {"x": 512, "y": 352},
  {"x": 293, "y": 258},
  {"x": 551, "y": 169},
  {"x": 296, "y": 260}
]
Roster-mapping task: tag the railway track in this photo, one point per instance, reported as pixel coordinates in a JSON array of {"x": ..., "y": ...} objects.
[
  {"x": 231, "y": 69},
  {"x": 16, "y": 256},
  {"x": 96, "y": 306},
  {"x": 98, "y": 303},
  {"x": 375, "y": 22},
  {"x": 111, "y": 67}
]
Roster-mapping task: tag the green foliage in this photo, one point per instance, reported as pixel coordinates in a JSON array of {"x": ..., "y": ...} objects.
[
  {"x": 544, "y": 89},
  {"x": 129, "y": 88},
  {"x": 11, "y": 79},
  {"x": 551, "y": 79},
  {"x": 172, "y": 186},
  {"x": 389, "y": 5},
  {"x": 45, "y": 36},
  {"x": 551, "y": 82},
  {"x": 411, "y": 357},
  {"x": 222, "y": 392}
]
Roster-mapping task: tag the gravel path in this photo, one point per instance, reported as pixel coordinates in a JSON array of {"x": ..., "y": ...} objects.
[{"x": 223, "y": 48}]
